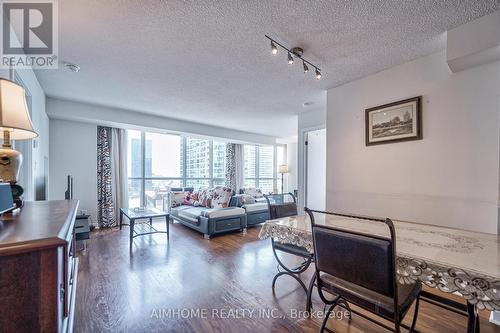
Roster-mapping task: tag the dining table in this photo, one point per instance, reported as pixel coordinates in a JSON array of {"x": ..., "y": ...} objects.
[{"x": 466, "y": 263}]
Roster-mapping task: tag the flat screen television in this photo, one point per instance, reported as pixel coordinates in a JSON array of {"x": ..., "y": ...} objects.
[
  {"x": 6, "y": 199},
  {"x": 68, "y": 195}
]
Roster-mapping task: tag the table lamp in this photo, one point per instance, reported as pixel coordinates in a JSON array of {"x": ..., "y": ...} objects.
[
  {"x": 15, "y": 123},
  {"x": 282, "y": 169}
]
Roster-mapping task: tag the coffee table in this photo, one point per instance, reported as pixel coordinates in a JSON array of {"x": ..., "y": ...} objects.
[{"x": 143, "y": 214}]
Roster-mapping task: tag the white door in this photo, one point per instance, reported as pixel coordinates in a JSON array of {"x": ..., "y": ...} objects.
[{"x": 316, "y": 169}]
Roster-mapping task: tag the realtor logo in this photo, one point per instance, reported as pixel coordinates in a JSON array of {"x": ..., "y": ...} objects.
[{"x": 29, "y": 34}]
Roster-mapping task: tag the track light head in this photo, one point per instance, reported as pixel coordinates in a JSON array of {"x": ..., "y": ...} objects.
[
  {"x": 306, "y": 69},
  {"x": 274, "y": 49},
  {"x": 318, "y": 74},
  {"x": 290, "y": 59}
]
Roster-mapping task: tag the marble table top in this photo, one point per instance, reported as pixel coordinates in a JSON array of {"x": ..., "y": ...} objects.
[{"x": 449, "y": 259}]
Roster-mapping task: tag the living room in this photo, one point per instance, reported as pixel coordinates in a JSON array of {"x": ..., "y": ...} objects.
[{"x": 278, "y": 166}]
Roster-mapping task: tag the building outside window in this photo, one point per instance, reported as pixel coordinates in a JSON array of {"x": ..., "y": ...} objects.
[
  {"x": 260, "y": 164},
  {"x": 157, "y": 162}
]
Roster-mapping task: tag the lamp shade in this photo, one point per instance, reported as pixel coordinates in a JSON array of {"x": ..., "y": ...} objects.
[
  {"x": 14, "y": 115},
  {"x": 283, "y": 168}
]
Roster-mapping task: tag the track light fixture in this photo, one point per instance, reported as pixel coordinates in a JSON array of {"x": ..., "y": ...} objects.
[
  {"x": 318, "y": 74},
  {"x": 294, "y": 52},
  {"x": 274, "y": 49}
]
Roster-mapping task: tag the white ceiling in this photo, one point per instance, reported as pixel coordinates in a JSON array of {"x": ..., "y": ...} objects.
[{"x": 209, "y": 62}]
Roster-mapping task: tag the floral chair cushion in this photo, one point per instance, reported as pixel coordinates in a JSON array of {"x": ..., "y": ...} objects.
[
  {"x": 177, "y": 198},
  {"x": 247, "y": 199},
  {"x": 254, "y": 192},
  {"x": 221, "y": 196}
]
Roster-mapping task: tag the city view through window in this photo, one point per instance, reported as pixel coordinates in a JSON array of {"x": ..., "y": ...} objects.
[{"x": 158, "y": 162}]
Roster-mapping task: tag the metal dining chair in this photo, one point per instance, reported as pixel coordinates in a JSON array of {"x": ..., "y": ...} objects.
[
  {"x": 281, "y": 205},
  {"x": 361, "y": 269},
  {"x": 284, "y": 205}
]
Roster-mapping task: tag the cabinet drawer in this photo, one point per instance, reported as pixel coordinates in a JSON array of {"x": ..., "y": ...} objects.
[{"x": 229, "y": 224}]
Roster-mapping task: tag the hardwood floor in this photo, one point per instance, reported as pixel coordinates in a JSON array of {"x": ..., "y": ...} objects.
[{"x": 132, "y": 291}]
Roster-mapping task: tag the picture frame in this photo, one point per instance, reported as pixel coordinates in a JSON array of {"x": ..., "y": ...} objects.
[{"x": 394, "y": 122}]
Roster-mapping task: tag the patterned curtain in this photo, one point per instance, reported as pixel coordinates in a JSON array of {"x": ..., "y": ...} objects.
[
  {"x": 234, "y": 166},
  {"x": 105, "y": 205},
  {"x": 231, "y": 166}
]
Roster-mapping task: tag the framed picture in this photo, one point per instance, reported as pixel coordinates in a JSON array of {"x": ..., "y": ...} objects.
[{"x": 394, "y": 122}]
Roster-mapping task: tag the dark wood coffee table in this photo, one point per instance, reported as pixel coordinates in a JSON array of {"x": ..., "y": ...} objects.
[{"x": 143, "y": 214}]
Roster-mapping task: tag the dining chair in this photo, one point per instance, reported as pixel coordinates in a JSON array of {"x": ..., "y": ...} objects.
[
  {"x": 281, "y": 205},
  {"x": 284, "y": 205},
  {"x": 361, "y": 269}
]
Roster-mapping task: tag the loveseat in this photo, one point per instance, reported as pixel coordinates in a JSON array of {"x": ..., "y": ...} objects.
[
  {"x": 253, "y": 202},
  {"x": 207, "y": 210}
]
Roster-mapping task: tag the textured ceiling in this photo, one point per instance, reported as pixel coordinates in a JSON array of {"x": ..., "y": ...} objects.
[{"x": 209, "y": 62}]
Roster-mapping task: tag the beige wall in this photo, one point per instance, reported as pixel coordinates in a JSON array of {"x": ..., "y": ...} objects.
[{"x": 450, "y": 177}]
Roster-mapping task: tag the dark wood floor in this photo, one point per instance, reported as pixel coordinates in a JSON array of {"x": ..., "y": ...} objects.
[{"x": 132, "y": 291}]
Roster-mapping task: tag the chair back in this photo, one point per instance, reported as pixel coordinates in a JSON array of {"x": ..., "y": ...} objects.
[
  {"x": 281, "y": 205},
  {"x": 364, "y": 260}
]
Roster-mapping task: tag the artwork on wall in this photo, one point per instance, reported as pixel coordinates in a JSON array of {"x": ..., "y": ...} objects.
[{"x": 394, "y": 122}]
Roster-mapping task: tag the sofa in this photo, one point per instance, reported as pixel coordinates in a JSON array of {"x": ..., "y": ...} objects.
[
  {"x": 207, "y": 211},
  {"x": 255, "y": 205}
]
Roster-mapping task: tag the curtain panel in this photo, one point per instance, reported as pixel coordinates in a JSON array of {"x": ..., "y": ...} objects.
[
  {"x": 106, "y": 216},
  {"x": 234, "y": 166}
]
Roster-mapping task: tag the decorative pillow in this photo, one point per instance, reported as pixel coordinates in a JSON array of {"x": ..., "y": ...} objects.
[
  {"x": 254, "y": 192},
  {"x": 220, "y": 197},
  {"x": 177, "y": 198},
  {"x": 247, "y": 199},
  {"x": 188, "y": 199},
  {"x": 205, "y": 198}
]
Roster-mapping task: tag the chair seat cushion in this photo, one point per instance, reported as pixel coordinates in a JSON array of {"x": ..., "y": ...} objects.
[
  {"x": 256, "y": 207},
  {"x": 191, "y": 214},
  {"x": 370, "y": 300},
  {"x": 292, "y": 249},
  {"x": 222, "y": 212}
]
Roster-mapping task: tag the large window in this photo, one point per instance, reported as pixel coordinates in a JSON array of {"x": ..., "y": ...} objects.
[
  {"x": 260, "y": 164},
  {"x": 157, "y": 162}
]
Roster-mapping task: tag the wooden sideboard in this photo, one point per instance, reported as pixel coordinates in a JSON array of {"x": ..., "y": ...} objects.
[{"x": 38, "y": 268}]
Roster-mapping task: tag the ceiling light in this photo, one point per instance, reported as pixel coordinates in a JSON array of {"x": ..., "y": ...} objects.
[
  {"x": 318, "y": 74},
  {"x": 294, "y": 52},
  {"x": 274, "y": 49},
  {"x": 306, "y": 69}
]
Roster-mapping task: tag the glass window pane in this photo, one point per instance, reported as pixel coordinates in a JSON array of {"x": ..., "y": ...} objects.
[
  {"x": 249, "y": 183},
  {"x": 163, "y": 155},
  {"x": 197, "y": 158},
  {"x": 266, "y": 162},
  {"x": 219, "y": 155},
  {"x": 278, "y": 185},
  {"x": 249, "y": 161},
  {"x": 134, "y": 163},
  {"x": 266, "y": 185},
  {"x": 156, "y": 190},
  {"x": 134, "y": 193},
  {"x": 219, "y": 182},
  {"x": 197, "y": 183}
]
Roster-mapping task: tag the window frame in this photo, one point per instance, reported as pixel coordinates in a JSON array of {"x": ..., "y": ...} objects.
[
  {"x": 183, "y": 179},
  {"x": 275, "y": 177}
]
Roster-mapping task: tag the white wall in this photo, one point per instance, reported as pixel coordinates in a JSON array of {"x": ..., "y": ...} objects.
[
  {"x": 450, "y": 177},
  {"x": 74, "y": 151},
  {"x": 113, "y": 117},
  {"x": 315, "y": 119},
  {"x": 316, "y": 170},
  {"x": 291, "y": 161},
  {"x": 40, "y": 149}
]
